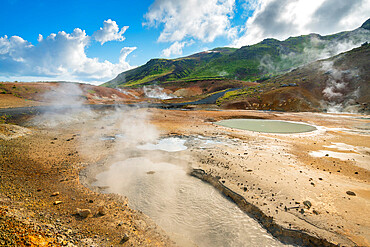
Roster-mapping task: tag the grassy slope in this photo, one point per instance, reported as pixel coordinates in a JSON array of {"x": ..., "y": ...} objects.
[
  {"x": 254, "y": 63},
  {"x": 302, "y": 89}
]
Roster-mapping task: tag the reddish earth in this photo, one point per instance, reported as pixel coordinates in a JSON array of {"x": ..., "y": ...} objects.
[{"x": 30, "y": 94}]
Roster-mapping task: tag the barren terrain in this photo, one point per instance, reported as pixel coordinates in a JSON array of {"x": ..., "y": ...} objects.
[{"x": 316, "y": 182}]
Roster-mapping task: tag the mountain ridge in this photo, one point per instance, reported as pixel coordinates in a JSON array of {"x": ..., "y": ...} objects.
[{"x": 251, "y": 63}]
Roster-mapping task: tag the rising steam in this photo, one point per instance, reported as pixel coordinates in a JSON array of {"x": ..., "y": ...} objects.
[
  {"x": 316, "y": 48},
  {"x": 339, "y": 96},
  {"x": 157, "y": 92}
]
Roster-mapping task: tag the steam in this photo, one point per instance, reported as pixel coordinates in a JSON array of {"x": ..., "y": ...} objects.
[
  {"x": 65, "y": 104},
  {"x": 316, "y": 48},
  {"x": 126, "y": 92},
  {"x": 157, "y": 92},
  {"x": 223, "y": 73},
  {"x": 338, "y": 94}
]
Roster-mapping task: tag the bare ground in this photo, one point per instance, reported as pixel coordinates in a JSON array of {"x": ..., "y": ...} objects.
[{"x": 274, "y": 172}]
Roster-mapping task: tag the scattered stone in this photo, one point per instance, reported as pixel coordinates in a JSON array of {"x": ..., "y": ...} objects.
[
  {"x": 57, "y": 202},
  {"x": 326, "y": 155},
  {"x": 307, "y": 204},
  {"x": 315, "y": 212},
  {"x": 102, "y": 210},
  {"x": 351, "y": 193},
  {"x": 124, "y": 239},
  {"x": 55, "y": 193},
  {"x": 120, "y": 223},
  {"x": 150, "y": 172},
  {"x": 356, "y": 172},
  {"x": 302, "y": 211},
  {"x": 84, "y": 213},
  {"x": 91, "y": 201}
]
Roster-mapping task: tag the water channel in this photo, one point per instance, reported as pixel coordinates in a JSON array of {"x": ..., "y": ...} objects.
[{"x": 182, "y": 205}]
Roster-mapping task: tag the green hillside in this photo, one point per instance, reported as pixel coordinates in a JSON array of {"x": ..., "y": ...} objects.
[
  {"x": 306, "y": 88},
  {"x": 251, "y": 63}
]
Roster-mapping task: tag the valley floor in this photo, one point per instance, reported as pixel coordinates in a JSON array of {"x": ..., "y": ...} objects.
[{"x": 316, "y": 182}]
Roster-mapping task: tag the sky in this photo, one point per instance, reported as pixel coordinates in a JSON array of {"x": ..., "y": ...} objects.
[{"x": 92, "y": 41}]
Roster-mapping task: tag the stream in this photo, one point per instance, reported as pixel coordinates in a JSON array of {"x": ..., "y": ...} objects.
[{"x": 185, "y": 207}]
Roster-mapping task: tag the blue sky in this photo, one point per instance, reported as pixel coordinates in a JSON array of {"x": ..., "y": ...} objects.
[{"x": 156, "y": 28}]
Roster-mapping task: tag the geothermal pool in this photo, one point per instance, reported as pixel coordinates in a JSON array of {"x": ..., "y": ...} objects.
[
  {"x": 189, "y": 210},
  {"x": 266, "y": 126}
]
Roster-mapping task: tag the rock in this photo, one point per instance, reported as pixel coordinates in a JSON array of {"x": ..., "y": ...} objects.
[
  {"x": 55, "y": 193},
  {"x": 57, "y": 202},
  {"x": 124, "y": 239},
  {"x": 84, "y": 213},
  {"x": 150, "y": 172},
  {"x": 315, "y": 212},
  {"x": 102, "y": 210},
  {"x": 351, "y": 193},
  {"x": 308, "y": 204}
]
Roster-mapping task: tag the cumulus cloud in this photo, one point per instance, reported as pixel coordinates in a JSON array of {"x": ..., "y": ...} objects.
[
  {"x": 176, "y": 48},
  {"x": 109, "y": 32},
  {"x": 59, "y": 56},
  {"x": 204, "y": 20},
  {"x": 283, "y": 18}
]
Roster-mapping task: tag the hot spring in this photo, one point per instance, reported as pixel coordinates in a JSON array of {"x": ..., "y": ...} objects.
[
  {"x": 267, "y": 126},
  {"x": 189, "y": 210}
]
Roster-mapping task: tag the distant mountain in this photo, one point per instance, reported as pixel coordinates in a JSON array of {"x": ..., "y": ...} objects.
[
  {"x": 340, "y": 83},
  {"x": 254, "y": 63}
]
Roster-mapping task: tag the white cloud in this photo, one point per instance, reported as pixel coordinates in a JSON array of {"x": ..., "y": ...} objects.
[
  {"x": 204, "y": 20},
  {"x": 60, "y": 56},
  {"x": 125, "y": 51},
  {"x": 283, "y": 18},
  {"x": 109, "y": 32},
  {"x": 176, "y": 48}
]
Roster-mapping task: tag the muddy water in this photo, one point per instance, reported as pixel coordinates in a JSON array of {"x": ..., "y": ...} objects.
[
  {"x": 267, "y": 126},
  {"x": 182, "y": 205}
]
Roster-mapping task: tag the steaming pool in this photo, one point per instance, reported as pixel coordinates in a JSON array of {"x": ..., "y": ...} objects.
[
  {"x": 266, "y": 126},
  {"x": 191, "y": 211}
]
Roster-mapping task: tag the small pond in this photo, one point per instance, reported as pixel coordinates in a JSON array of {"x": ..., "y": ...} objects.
[{"x": 267, "y": 126}]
